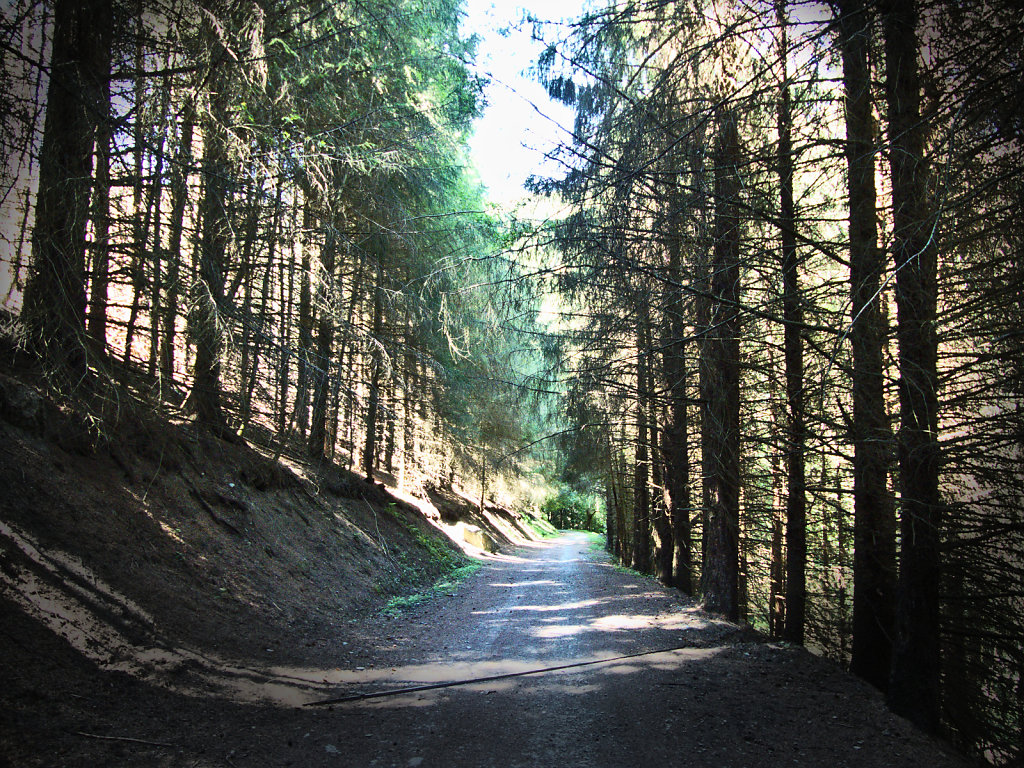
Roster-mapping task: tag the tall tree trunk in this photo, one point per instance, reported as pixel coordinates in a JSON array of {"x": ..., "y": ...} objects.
[
  {"x": 305, "y": 322},
  {"x": 776, "y": 605},
  {"x": 721, "y": 569},
  {"x": 207, "y": 310},
  {"x": 100, "y": 276},
  {"x": 176, "y": 223},
  {"x": 347, "y": 353},
  {"x": 408, "y": 387},
  {"x": 625, "y": 539},
  {"x": 702, "y": 326},
  {"x": 675, "y": 437},
  {"x": 262, "y": 320},
  {"x": 156, "y": 277},
  {"x": 665, "y": 552},
  {"x": 151, "y": 222},
  {"x": 914, "y": 690},
  {"x": 324, "y": 341},
  {"x": 53, "y": 310},
  {"x": 611, "y": 500},
  {"x": 641, "y": 468},
  {"x": 140, "y": 213},
  {"x": 659, "y": 508},
  {"x": 874, "y": 547},
  {"x": 483, "y": 481},
  {"x": 792, "y": 314},
  {"x": 249, "y": 319},
  {"x": 286, "y": 302},
  {"x": 373, "y": 407}
]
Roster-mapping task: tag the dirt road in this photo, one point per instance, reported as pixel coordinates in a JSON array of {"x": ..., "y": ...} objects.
[{"x": 717, "y": 698}]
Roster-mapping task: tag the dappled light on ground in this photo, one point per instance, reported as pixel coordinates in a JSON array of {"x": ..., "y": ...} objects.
[
  {"x": 542, "y": 658},
  {"x": 118, "y": 635}
]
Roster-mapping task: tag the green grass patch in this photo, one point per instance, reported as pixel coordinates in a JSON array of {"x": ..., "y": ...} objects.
[
  {"x": 541, "y": 527},
  {"x": 440, "y": 551},
  {"x": 620, "y": 568},
  {"x": 446, "y": 585}
]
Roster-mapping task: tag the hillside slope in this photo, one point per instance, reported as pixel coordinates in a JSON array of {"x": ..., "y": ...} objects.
[{"x": 160, "y": 543}]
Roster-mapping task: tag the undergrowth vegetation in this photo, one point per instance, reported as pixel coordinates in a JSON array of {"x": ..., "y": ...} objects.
[
  {"x": 569, "y": 509},
  {"x": 447, "y": 558},
  {"x": 445, "y": 586}
]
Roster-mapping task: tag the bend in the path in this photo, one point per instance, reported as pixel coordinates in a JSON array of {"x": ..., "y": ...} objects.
[{"x": 551, "y": 603}]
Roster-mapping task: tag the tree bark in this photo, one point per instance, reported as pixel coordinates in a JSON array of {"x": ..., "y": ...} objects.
[
  {"x": 914, "y": 689},
  {"x": 641, "y": 467},
  {"x": 305, "y": 322},
  {"x": 665, "y": 552},
  {"x": 100, "y": 274},
  {"x": 324, "y": 342},
  {"x": 207, "y": 314},
  {"x": 373, "y": 407},
  {"x": 874, "y": 548},
  {"x": 721, "y": 569},
  {"x": 792, "y": 314},
  {"x": 675, "y": 436},
  {"x": 176, "y": 224},
  {"x": 53, "y": 311}
]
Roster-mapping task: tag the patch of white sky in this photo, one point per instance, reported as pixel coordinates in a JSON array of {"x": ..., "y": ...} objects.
[{"x": 520, "y": 123}]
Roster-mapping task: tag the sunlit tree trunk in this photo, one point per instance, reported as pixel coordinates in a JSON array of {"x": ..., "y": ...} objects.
[
  {"x": 659, "y": 510},
  {"x": 409, "y": 386}
]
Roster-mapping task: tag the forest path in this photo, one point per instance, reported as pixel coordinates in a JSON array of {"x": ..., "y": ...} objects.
[{"x": 718, "y": 698}]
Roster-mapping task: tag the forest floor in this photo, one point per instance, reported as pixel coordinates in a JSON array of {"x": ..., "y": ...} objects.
[{"x": 172, "y": 600}]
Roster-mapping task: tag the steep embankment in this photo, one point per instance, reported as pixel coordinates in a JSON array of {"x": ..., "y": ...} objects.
[{"x": 170, "y": 555}]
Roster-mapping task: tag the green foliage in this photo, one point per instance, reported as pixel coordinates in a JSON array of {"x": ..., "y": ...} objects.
[
  {"x": 569, "y": 509},
  {"x": 448, "y": 558},
  {"x": 446, "y": 585},
  {"x": 540, "y": 526}
]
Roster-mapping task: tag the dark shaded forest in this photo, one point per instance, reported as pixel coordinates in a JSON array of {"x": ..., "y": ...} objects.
[{"x": 771, "y": 343}]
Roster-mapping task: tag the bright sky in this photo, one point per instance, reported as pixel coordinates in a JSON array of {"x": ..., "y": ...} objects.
[{"x": 510, "y": 139}]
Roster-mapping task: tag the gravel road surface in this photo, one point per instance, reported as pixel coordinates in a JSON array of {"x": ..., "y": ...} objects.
[{"x": 659, "y": 682}]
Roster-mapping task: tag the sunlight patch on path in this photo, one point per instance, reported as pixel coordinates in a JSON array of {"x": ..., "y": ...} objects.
[{"x": 118, "y": 635}]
